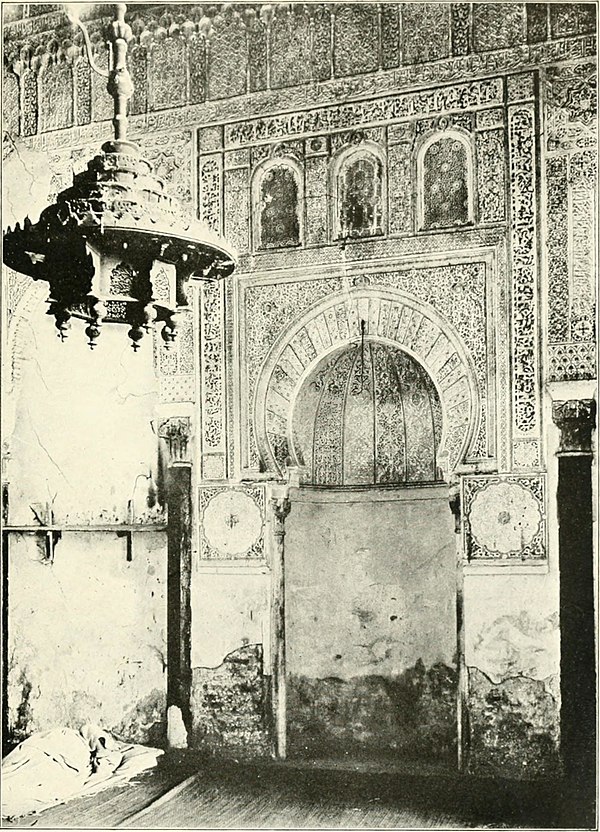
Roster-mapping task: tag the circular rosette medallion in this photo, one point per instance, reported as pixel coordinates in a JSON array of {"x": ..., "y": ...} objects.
[
  {"x": 232, "y": 523},
  {"x": 504, "y": 518}
]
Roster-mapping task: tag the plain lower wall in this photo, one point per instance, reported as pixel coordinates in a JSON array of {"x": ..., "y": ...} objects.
[{"x": 371, "y": 623}]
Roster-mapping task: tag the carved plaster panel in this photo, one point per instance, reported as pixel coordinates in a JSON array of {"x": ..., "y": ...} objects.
[
  {"x": 504, "y": 518},
  {"x": 272, "y": 309},
  {"x": 571, "y": 106},
  {"x": 524, "y": 317},
  {"x": 232, "y": 522}
]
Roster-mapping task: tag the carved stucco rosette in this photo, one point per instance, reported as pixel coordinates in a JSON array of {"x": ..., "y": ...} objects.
[
  {"x": 231, "y": 523},
  {"x": 504, "y": 518}
]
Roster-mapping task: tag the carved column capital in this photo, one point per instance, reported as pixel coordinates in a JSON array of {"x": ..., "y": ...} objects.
[
  {"x": 176, "y": 431},
  {"x": 455, "y": 505},
  {"x": 576, "y": 419},
  {"x": 281, "y": 507}
]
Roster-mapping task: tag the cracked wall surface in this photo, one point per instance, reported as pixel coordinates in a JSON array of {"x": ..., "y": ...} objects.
[
  {"x": 87, "y": 636},
  {"x": 512, "y": 653}
]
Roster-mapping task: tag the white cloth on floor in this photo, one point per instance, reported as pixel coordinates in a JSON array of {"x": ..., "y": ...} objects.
[{"x": 54, "y": 766}]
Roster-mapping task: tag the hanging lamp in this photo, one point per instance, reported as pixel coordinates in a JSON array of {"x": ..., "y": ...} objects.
[{"x": 115, "y": 247}]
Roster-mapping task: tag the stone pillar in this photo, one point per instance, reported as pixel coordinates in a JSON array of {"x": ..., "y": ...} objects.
[
  {"x": 576, "y": 420},
  {"x": 175, "y": 432},
  {"x": 280, "y": 507}
]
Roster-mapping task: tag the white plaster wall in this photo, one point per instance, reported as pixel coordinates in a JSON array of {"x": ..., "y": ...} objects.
[
  {"x": 82, "y": 432},
  {"x": 512, "y": 626},
  {"x": 229, "y": 611}
]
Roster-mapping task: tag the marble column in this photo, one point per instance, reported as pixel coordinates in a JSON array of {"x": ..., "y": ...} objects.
[{"x": 280, "y": 507}]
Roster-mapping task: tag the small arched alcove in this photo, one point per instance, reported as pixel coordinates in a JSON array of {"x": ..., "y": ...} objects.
[{"x": 368, "y": 415}]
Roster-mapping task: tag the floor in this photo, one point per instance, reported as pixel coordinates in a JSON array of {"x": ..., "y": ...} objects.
[{"x": 187, "y": 792}]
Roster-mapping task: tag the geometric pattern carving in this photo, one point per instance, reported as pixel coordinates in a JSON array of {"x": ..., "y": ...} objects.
[
  {"x": 583, "y": 276},
  {"x": 237, "y": 208},
  {"x": 491, "y": 175},
  {"x": 256, "y": 33},
  {"x": 316, "y": 199},
  {"x": 390, "y": 35},
  {"x": 557, "y": 241},
  {"x": 571, "y": 106},
  {"x": 210, "y": 187},
  {"x": 227, "y": 56},
  {"x": 30, "y": 102},
  {"x": 174, "y": 365},
  {"x": 524, "y": 315},
  {"x": 425, "y": 32},
  {"x": 290, "y": 47},
  {"x": 83, "y": 91},
  {"x": 10, "y": 102},
  {"x": 498, "y": 25},
  {"x": 167, "y": 69},
  {"x": 212, "y": 374},
  {"x": 537, "y": 22},
  {"x": 461, "y": 28},
  {"x": 571, "y": 361},
  {"x": 400, "y": 188},
  {"x": 321, "y": 67},
  {"x": 171, "y": 155},
  {"x": 504, "y": 518},
  {"x": 355, "y": 38},
  {"x": 231, "y": 522},
  {"x": 445, "y": 183},
  {"x": 56, "y": 96},
  {"x": 567, "y": 19}
]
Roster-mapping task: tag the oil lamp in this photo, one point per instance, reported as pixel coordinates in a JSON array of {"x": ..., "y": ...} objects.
[{"x": 115, "y": 247}]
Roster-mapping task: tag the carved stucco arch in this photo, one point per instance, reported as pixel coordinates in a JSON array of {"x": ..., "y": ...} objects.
[{"x": 408, "y": 324}]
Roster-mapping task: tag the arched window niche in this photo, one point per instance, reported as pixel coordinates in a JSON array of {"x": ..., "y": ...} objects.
[
  {"x": 445, "y": 181},
  {"x": 358, "y": 192},
  {"x": 277, "y": 200}
]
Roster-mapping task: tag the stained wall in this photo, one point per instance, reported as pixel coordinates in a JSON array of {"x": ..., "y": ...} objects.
[{"x": 371, "y": 624}]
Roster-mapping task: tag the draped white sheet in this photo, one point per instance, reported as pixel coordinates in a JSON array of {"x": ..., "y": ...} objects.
[{"x": 54, "y": 766}]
